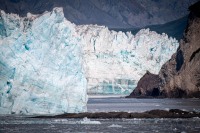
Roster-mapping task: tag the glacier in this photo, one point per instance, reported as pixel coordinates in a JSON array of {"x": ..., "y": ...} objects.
[
  {"x": 48, "y": 65},
  {"x": 41, "y": 69},
  {"x": 115, "y": 61}
]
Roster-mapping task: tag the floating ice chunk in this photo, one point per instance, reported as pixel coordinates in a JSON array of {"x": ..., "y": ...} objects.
[
  {"x": 88, "y": 121},
  {"x": 115, "y": 126}
]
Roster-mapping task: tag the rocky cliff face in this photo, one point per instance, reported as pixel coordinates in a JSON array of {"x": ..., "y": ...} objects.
[
  {"x": 147, "y": 86},
  {"x": 180, "y": 76}
]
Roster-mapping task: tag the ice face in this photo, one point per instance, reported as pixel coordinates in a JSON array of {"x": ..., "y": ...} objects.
[
  {"x": 45, "y": 61},
  {"x": 115, "y": 61},
  {"x": 41, "y": 69}
]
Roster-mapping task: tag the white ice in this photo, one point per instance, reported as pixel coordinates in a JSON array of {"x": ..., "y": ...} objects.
[
  {"x": 88, "y": 121},
  {"x": 41, "y": 65},
  {"x": 115, "y": 61}
]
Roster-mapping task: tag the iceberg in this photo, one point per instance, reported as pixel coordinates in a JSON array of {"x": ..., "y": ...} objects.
[
  {"x": 41, "y": 65},
  {"x": 48, "y": 65}
]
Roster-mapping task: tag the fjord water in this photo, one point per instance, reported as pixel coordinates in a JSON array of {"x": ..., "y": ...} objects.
[
  {"x": 140, "y": 105},
  {"x": 22, "y": 124},
  {"x": 33, "y": 125}
]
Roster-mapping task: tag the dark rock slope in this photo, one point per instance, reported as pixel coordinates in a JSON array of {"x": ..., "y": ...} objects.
[
  {"x": 147, "y": 86},
  {"x": 180, "y": 76}
]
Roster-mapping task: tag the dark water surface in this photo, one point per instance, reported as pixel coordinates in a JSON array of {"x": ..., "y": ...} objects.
[
  {"x": 141, "y": 105},
  {"x": 35, "y": 125},
  {"x": 22, "y": 124}
]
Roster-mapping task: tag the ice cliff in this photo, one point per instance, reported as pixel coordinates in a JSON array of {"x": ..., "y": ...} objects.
[
  {"x": 41, "y": 69},
  {"x": 115, "y": 61},
  {"x": 47, "y": 63}
]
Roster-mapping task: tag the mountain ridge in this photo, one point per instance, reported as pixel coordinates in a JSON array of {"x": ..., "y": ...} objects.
[
  {"x": 111, "y": 13},
  {"x": 173, "y": 29}
]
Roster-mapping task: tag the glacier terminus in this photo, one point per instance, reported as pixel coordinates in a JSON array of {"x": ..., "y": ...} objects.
[
  {"x": 41, "y": 65},
  {"x": 49, "y": 65}
]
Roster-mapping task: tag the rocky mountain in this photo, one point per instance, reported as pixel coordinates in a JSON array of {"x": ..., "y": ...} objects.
[
  {"x": 180, "y": 76},
  {"x": 111, "y": 13},
  {"x": 173, "y": 29}
]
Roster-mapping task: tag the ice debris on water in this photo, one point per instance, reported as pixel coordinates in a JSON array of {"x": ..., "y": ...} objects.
[
  {"x": 88, "y": 121},
  {"x": 115, "y": 126},
  {"x": 75, "y": 121}
]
